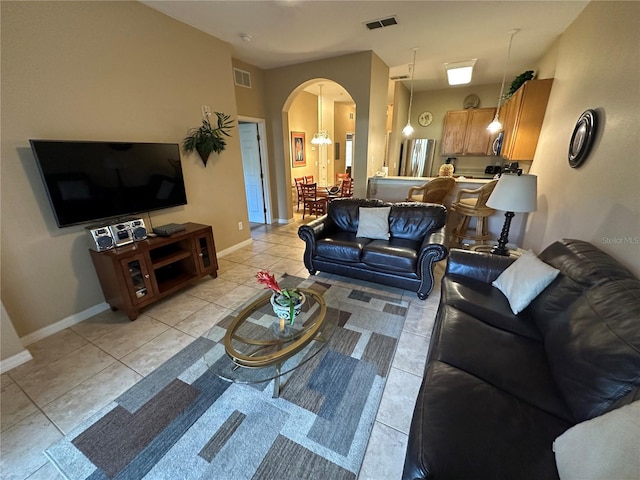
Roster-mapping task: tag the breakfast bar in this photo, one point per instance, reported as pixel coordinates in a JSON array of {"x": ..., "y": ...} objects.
[{"x": 395, "y": 189}]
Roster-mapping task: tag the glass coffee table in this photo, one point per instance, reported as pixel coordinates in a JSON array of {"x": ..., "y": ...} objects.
[{"x": 257, "y": 349}]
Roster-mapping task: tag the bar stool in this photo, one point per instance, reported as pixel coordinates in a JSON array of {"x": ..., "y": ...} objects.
[
  {"x": 433, "y": 191},
  {"x": 475, "y": 206}
]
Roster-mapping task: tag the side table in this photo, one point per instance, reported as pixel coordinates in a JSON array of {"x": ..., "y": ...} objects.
[{"x": 486, "y": 248}]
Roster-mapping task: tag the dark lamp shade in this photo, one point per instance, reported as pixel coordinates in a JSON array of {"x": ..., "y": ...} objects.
[{"x": 515, "y": 193}]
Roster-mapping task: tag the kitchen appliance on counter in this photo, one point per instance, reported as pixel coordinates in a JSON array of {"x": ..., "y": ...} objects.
[{"x": 492, "y": 169}]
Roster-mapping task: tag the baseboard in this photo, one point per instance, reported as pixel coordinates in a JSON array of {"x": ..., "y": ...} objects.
[
  {"x": 15, "y": 360},
  {"x": 64, "y": 323},
  {"x": 284, "y": 221},
  {"x": 237, "y": 246},
  {"x": 90, "y": 312}
]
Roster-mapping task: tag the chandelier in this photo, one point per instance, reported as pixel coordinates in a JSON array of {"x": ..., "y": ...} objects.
[{"x": 322, "y": 137}]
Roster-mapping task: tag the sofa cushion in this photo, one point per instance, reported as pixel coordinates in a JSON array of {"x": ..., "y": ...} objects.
[
  {"x": 593, "y": 347},
  {"x": 396, "y": 254},
  {"x": 342, "y": 247},
  {"x": 553, "y": 301},
  {"x": 515, "y": 364},
  {"x": 524, "y": 279},
  {"x": 414, "y": 221},
  {"x": 373, "y": 222},
  {"x": 604, "y": 447},
  {"x": 582, "y": 265},
  {"x": 465, "y": 428},
  {"x": 343, "y": 212},
  {"x": 486, "y": 303}
]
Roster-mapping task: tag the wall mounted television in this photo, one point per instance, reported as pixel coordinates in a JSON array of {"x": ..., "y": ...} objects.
[{"x": 89, "y": 181}]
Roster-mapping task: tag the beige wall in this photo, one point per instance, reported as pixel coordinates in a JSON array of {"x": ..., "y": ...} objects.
[
  {"x": 399, "y": 120},
  {"x": 356, "y": 73},
  {"x": 598, "y": 67},
  {"x": 377, "y": 124},
  {"x": 10, "y": 344},
  {"x": 101, "y": 71},
  {"x": 250, "y": 101},
  {"x": 303, "y": 117},
  {"x": 343, "y": 124}
]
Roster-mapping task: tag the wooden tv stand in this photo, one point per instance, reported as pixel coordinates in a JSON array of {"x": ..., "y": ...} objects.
[{"x": 141, "y": 273}]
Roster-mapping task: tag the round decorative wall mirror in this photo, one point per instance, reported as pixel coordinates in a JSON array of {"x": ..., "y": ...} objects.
[{"x": 582, "y": 138}]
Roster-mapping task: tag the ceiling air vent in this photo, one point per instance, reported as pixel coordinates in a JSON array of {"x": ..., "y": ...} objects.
[
  {"x": 400, "y": 77},
  {"x": 242, "y": 78},
  {"x": 381, "y": 22}
]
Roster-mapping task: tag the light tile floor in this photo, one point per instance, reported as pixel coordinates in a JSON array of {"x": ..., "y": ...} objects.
[{"x": 76, "y": 372}]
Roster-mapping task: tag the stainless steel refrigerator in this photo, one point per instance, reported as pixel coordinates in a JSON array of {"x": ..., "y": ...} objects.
[{"x": 418, "y": 158}]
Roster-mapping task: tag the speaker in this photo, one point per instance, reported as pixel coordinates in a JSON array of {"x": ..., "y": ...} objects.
[
  {"x": 121, "y": 233},
  {"x": 138, "y": 229},
  {"x": 100, "y": 238}
]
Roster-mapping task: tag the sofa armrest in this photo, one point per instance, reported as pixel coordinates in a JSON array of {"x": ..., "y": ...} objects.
[
  {"x": 312, "y": 231},
  {"x": 436, "y": 244},
  {"x": 482, "y": 266},
  {"x": 434, "y": 248}
]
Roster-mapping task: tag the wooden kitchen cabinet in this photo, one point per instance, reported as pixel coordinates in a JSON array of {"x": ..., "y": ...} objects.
[
  {"x": 522, "y": 116},
  {"x": 143, "y": 272},
  {"x": 465, "y": 132}
]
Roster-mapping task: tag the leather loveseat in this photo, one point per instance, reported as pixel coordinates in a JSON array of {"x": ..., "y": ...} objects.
[
  {"x": 500, "y": 388},
  {"x": 416, "y": 241}
]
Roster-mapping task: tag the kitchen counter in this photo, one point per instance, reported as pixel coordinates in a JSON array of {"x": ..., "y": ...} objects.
[{"x": 395, "y": 189}]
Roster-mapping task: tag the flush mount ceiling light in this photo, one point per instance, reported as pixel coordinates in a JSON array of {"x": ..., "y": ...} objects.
[
  {"x": 408, "y": 129},
  {"x": 496, "y": 126},
  {"x": 460, "y": 73},
  {"x": 322, "y": 137}
]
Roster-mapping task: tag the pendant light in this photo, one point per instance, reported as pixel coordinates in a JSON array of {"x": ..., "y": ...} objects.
[
  {"x": 322, "y": 137},
  {"x": 408, "y": 130},
  {"x": 496, "y": 126}
]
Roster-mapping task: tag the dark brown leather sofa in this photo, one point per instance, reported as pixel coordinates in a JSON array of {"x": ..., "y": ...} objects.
[
  {"x": 499, "y": 388},
  {"x": 405, "y": 261}
]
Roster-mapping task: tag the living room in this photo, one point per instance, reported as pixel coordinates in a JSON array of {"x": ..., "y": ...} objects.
[{"x": 118, "y": 70}]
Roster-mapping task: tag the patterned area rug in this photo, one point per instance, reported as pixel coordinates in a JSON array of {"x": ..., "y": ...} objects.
[{"x": 184, "y": 422}]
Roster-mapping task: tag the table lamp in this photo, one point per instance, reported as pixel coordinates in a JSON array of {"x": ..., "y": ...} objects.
[{"x": 514, "y": 193}]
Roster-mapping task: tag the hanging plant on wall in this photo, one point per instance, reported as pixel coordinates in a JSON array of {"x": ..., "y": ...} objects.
[{"x": 206, "y": 138}]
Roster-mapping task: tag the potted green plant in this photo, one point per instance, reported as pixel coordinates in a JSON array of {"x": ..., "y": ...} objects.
[
  {"x": 206, "y": 138},
  {"x": 286, "y": 302}
]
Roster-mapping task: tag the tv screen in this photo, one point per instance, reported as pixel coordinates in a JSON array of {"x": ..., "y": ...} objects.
[{"x": 91, "y": 181}]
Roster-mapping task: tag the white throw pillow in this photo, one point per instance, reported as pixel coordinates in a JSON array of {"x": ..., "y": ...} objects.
[
  {"x": 373, "y": 223},
  {"x": 605, "y": 447},
  {"x": 524, "y": 280}
]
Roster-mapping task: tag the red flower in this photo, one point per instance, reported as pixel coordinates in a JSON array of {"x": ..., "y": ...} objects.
[{"x": 268, "y": 280}]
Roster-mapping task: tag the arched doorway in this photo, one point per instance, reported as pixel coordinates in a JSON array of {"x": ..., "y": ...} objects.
[{"x": 319, "y": 104}]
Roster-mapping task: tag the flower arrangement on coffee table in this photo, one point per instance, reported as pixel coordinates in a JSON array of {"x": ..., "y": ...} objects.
[{"x": 286, "y": 302}]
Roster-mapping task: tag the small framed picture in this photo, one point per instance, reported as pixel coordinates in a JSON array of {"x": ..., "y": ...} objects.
[{"x": 298, "y": 155}]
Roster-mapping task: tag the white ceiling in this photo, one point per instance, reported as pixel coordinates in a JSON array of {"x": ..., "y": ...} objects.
[{"x": 286, "y": 32}]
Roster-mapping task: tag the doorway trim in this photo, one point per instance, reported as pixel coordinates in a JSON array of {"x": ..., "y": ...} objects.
[{"x": 264, "y": 159}]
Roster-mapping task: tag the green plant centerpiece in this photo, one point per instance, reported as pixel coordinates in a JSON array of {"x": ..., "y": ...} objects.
[
  {"x": 286, "y": 302},
  {"x": 207, "y": 138}
]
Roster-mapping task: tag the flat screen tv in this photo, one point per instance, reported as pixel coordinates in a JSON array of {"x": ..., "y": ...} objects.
[{"x": 91, "y": 181}]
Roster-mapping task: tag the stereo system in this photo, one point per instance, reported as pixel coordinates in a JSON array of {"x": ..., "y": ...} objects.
[{"x": 109, "y": 235}]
